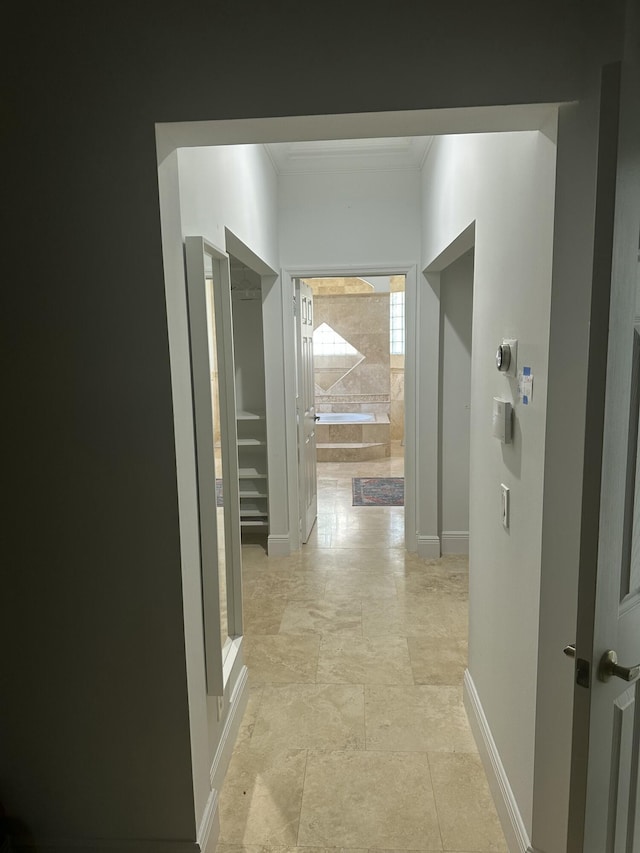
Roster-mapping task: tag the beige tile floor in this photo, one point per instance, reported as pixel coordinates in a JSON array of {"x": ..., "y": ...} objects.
[{"x": 355, "y": 737}]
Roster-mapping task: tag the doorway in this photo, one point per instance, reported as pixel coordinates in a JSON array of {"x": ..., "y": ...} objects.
[
  {"x": 532, "y": 149},
  {"x": 454, "y": 392},
  {"x": 365, "y": 380},
  {"x": 358, "y": 384}
]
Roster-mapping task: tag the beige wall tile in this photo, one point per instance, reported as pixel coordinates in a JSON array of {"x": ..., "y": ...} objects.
[{"x": 363, "y": 321}]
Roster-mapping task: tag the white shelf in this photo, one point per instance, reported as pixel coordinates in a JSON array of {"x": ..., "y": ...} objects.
[
  {"x": 252, "y": 493},
  {"x": 250, "y": 416},
  {"x": 252, "y": 510},
  {"x": 251, "y": 474},
  {"x": 254, "y": 523},
  {"x": 251, "y": 442}
]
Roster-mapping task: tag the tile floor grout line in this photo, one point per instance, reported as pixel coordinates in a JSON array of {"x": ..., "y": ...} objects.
[
  {"x": 435, "y": 802},
  {"x": 304, "y": 781},
  {"x": 364, "y": 714}
]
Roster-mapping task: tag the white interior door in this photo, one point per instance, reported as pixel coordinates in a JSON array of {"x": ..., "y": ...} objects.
[
  {"x": 604, "y": 814},
  {"x": 306, "y": 411}
]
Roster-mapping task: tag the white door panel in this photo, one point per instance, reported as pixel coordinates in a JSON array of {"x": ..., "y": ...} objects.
[
  {"x": 305, "y": 402},
  {"x": 606, "y": 737}
]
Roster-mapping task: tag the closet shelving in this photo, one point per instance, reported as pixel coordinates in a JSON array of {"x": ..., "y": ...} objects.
[
  {"x": 252, "y": 459},
  {"x": 251, "y": 424}
]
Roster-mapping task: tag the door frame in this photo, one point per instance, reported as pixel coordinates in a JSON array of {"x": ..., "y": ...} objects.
[
  {"x": 218, "y": 661},
  {"x": 572, "y": 246},
  {"x": 277, "y": 543},
  {"x": 289, "y": 276},
  {"x": 430, "y": 353}
]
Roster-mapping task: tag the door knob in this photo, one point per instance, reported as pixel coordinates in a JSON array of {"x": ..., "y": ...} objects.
[
  {"x": 570, "y": 651},
  {"x": 609, "y": 667}
]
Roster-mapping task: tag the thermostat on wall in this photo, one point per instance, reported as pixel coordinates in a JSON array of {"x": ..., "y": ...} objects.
[
  {"x": 506, "y": 356},
  {"x": 502, "y": 420}
]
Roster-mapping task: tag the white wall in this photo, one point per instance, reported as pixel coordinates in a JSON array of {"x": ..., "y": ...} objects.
[
  {"x": 249, "y": 354},
  {"x": 381, "y": 283},
  {"x": 234, "y": 187},
  {"x": 204, "y": 191},
  {"x": 333, "y": 220},
  {"x": 456, "y": 302},
  {"x": 358, "y": 222},
  {"x": 505, "y": 183}
]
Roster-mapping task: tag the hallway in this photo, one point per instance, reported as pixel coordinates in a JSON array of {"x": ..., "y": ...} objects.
[{"x": 355, "y": 735}]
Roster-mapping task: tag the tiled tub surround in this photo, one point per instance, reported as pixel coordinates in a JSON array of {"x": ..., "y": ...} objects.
[
  {"x": 363, "y": 320},
  {"x": 355, "y": 736},
  {"x": 396, "y": 403},
  {"x": 350, "y": 437}
]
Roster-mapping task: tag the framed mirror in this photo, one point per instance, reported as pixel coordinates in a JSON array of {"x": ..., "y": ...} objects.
[{"x": 212, "y": 373}]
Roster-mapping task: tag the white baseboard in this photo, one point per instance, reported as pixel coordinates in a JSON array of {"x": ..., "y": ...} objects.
[
  {"x": 209, "y": 830},
  {"x": 506, "y": 805},
  {"x": 428, "y": 547},
  {"x": 210, "y": 825},
  {"x": 278, "y": 545},
  {"x": 237, "y": 706},
  {"x": 455, "y": 541}
]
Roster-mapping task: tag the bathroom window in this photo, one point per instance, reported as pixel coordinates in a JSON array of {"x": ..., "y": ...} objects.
[
  {"x": 396, "y": 325},
  {"x": 326, "y": 341}
]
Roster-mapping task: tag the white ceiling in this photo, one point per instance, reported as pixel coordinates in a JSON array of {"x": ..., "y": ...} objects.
[{"x": 349, "y": 155}]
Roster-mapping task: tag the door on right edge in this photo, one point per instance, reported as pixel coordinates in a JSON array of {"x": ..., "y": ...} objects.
[{"x": 605, "y": 791}]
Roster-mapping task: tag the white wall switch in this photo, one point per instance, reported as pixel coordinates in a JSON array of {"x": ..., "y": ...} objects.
[{"x": 504, "y": 493}]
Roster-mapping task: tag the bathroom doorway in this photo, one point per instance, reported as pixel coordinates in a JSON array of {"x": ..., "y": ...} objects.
[{"x": 359, "y": 353}]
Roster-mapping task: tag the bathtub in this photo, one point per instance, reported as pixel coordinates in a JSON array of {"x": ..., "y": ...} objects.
[
  {"x": 346, "y": 418},
  {"x": 352, "y": 436}
]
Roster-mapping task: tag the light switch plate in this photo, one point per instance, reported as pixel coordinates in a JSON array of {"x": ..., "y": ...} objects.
[{"x": 504, "y": 503}]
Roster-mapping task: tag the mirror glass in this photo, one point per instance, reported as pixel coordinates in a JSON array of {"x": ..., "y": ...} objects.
[{"x": 217, "y": 449}]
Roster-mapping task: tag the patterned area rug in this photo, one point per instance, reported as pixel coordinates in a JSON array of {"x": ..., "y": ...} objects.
[
  {"x": 378, "y": 491},
  {"x": 219, "y": 493}
]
